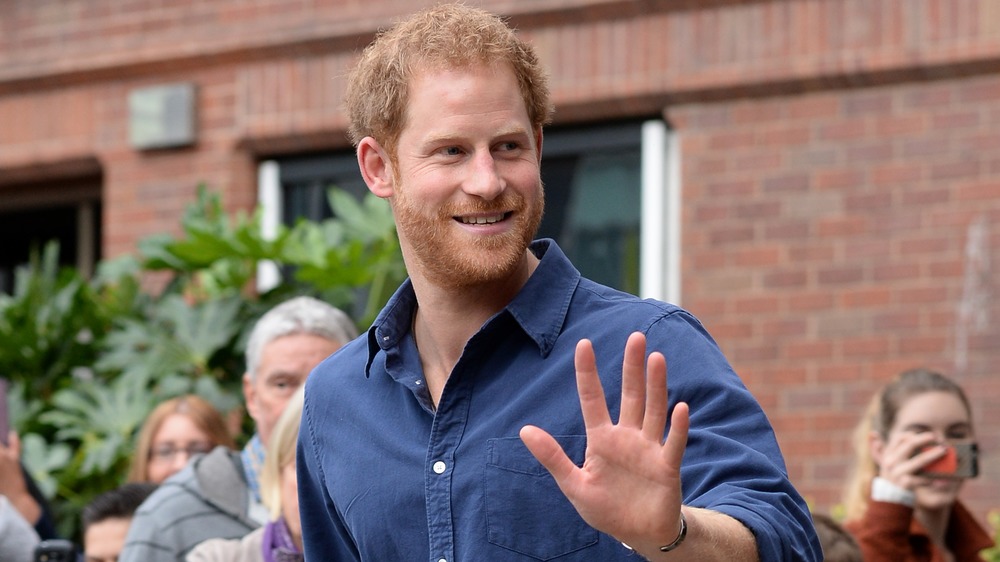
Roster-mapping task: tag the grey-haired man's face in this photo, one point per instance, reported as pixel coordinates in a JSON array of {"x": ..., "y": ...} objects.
[{"x": 285, "y": 363}]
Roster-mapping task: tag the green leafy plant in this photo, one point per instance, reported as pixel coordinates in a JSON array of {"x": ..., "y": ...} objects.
[{"x": 90, "y": 358}]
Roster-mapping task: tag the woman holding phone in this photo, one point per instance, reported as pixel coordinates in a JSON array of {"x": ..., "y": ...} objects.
[{"x": 915, "y": 448}]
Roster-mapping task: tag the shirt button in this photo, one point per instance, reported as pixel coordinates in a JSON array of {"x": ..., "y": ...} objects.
[
  {"x": 439, "y": 468},
  {"x": 442, "y": 560}
]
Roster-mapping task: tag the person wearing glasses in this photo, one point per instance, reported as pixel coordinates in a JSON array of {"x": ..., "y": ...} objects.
[
  {"x": 217, "y": 494},
  {"x": 175, "y": 431}
]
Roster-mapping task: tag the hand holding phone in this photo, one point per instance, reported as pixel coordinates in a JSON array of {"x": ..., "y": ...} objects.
[{"x": 961, "y": 460}]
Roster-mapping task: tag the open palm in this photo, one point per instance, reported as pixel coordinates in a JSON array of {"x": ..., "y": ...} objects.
[{"x": 629, "y": 485}]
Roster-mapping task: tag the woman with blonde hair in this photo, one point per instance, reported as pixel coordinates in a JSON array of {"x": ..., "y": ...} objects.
[
  {"x": 901, "y": 501},
  {"x": 173, "y": 432},
  {"x": 280, "y": 540}
]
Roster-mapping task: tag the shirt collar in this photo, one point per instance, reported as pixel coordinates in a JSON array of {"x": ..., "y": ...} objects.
[{"x": 540, "y": 307}]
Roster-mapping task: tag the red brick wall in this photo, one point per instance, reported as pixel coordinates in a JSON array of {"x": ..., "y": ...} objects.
[
  {"x": 825, "y": 246},
  {"x": 837, "y": 157}
]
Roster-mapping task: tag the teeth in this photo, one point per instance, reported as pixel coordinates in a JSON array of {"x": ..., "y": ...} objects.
[{"x": 482, "y": 220}]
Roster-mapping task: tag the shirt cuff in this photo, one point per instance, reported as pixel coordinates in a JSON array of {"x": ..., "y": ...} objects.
[{"x": 885, "y": 491}]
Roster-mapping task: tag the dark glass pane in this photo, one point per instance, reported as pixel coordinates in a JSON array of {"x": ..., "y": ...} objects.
[
  {"x": 592, "y": 178},
  {"x": 30, "y": 229}
]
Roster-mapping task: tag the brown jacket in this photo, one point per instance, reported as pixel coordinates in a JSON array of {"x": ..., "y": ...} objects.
[{"x": 889, "y": 533}]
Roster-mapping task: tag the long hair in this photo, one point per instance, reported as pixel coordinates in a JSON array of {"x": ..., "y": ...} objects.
[
  {"x": 199, "y": 410},
  {"x": 879, "y": 417},
  {"x": 281, "y": 452}
]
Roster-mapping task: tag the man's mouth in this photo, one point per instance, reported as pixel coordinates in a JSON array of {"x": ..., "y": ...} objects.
[{"x": 485, "y": 219}]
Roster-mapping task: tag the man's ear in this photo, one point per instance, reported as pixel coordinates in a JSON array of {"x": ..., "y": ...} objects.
[
  {"x": 538, "y": 143},
  {"x": 376, "y": 168},
  {"x": 250, "y": 396}
]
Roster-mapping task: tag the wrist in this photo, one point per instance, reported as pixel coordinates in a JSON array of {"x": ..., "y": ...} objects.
[
  {"x": 885, "y": 491},
  {"x": 681, "y": 535},
  {"x": 26, "y": 505},
  {"x": 682, "y": 530}
]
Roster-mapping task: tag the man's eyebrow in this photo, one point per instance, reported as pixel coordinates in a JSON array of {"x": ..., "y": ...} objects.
[
  {"x": 444, "y": 138},
  {"x": 280, "y": 373}
]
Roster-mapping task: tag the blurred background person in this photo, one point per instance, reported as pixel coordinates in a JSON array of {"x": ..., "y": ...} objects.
[
  {"x": 106, "y": 520},
  {"x": 22, "y": 492},
  {"x": 17, "y": 537},
  {"x": 838, "y": 544},
  {"x": 896, "y": 512},
  {"x": 217, "y": 494},
  {"x": 173, "y": 432},
  {"x": 280, "y": 540}
]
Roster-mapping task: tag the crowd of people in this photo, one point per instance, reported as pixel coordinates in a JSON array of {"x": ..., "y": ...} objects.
[{"x": 501, "y": 406}]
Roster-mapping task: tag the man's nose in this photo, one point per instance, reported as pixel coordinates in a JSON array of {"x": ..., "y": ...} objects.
[{"x": 484, "y": 178}]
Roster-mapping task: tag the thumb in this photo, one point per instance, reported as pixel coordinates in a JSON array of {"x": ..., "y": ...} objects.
[{"x": 548, "y": 452}]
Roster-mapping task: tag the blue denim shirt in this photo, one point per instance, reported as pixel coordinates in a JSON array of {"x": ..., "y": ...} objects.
[{"x": 383, "y": 477}]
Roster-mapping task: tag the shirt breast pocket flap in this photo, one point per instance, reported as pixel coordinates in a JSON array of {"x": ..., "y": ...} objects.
[{"x": 525, "y": 510}]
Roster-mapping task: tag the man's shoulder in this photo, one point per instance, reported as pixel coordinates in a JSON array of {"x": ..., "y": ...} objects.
[{"x": 618, "y": 300}]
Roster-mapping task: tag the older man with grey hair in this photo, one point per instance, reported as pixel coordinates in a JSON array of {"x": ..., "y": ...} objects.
[{"x": 216, "y": 495}]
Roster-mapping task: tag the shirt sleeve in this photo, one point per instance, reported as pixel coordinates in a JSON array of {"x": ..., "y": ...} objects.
[
  {"x": 324, "y": 536},
  {"x": 732, "y": 463},
  {"x": 17, "y": 538}
]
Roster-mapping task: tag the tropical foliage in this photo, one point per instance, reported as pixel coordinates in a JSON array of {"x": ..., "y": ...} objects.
[{"x": 89, "y": 358}]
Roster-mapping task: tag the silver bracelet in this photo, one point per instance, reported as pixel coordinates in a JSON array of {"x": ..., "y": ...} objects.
[{"x": 680, "y": 536}]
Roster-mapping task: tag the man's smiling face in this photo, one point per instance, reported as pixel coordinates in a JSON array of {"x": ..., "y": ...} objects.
[{"x": 468, "y": 196}]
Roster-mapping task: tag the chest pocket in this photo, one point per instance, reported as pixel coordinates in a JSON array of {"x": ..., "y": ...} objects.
[{"x": 525, "y": 510}]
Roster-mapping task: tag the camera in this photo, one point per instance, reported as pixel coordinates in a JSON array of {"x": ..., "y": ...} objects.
[{"x": 961, "y": 460}]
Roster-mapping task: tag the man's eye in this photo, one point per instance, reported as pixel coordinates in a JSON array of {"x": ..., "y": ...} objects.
[{"x": 452, "y": 151}]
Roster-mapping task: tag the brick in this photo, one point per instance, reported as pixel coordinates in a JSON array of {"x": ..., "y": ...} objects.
[
  {"x": 869, "y": 346},
  {"x": 809, "y": 350},
  {"x": 866, "y": 297}
]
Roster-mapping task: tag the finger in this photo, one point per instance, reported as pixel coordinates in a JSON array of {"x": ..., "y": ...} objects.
[
  {"x": 653, "y": 425},
  {"x": 548, "y": 452},
  {"x": 633, "y": 405},
  {"x": 905, "y": 448},
  {"x": 588, "y": 384},
  {"x": 680, "y": 423},
  {"x": 14, "y": 443}
]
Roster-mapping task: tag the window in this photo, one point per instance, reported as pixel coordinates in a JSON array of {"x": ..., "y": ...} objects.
[
  {"x": 67, "y": 211},
  {"x": 608, "y": 204}
]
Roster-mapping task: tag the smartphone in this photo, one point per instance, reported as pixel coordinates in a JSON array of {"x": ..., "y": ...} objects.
[
  {"x": 4, "y": 413},
  {"x": 961, "y": 460},
  {"x": 55, "y": 550}
]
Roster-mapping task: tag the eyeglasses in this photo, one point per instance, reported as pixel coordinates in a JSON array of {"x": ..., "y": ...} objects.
[{"x": 167, "y": 453}]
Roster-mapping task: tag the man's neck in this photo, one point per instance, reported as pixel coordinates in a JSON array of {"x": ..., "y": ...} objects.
[{"x": 447, "y": 318}]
